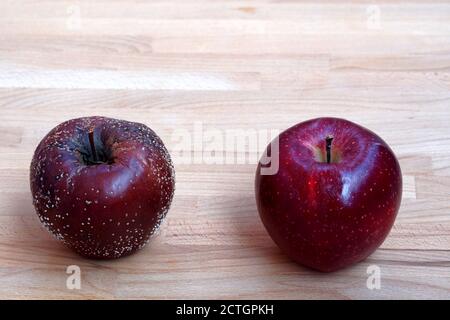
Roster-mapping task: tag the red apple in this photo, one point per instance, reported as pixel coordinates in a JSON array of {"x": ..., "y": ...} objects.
[
  {"x": 335, "y": 196},
  {"x": 102, "y": 186}
]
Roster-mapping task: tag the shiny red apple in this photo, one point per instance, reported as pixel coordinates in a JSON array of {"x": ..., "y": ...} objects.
[
  {"x": 102, "y": 186},
  {"x": 335, "y": 195}
]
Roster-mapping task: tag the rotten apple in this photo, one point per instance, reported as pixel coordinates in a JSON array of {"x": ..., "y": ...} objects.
[
  {"x": 335, "y": 195},
  {"x": 102, "y": 186}
]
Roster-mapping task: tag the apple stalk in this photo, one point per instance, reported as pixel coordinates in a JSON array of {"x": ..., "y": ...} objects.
[
  {"x": 91, "y": 142},
  {"x": 328, "y": 140}
]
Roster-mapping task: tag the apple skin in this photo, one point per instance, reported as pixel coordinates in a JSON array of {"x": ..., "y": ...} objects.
[
  {"x": 328, "y": 216},
  {"x": 108, "y": 206}
]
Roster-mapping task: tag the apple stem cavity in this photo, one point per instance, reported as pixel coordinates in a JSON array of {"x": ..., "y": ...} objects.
[
  {"x": 328, "y": 140},
  {"x": 91, "y": 141}
]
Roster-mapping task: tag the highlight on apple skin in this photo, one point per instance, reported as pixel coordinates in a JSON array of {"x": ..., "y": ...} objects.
[
  {"x": 335, "y": 196},
  {"x": 102, "y": 186}
]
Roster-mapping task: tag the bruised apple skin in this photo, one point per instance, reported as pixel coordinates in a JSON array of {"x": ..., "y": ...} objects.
[
  {"x": 102, "y": 186},
  {"x": 335, "y": 196}
]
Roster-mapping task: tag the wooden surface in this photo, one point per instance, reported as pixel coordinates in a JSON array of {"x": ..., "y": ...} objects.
[{"x": 229, "y": 65}]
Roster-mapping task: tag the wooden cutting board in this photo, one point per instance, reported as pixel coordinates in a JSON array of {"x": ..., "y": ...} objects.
[{"x": 227, "y": 65}]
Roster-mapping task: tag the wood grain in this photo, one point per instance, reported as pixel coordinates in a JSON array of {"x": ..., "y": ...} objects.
[{"x": 228, "y": 65}]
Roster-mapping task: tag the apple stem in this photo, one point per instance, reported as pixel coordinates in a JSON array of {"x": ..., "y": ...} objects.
[
  {"x": 91, "y": 141},
  {"x": 328, "y": 140}
]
